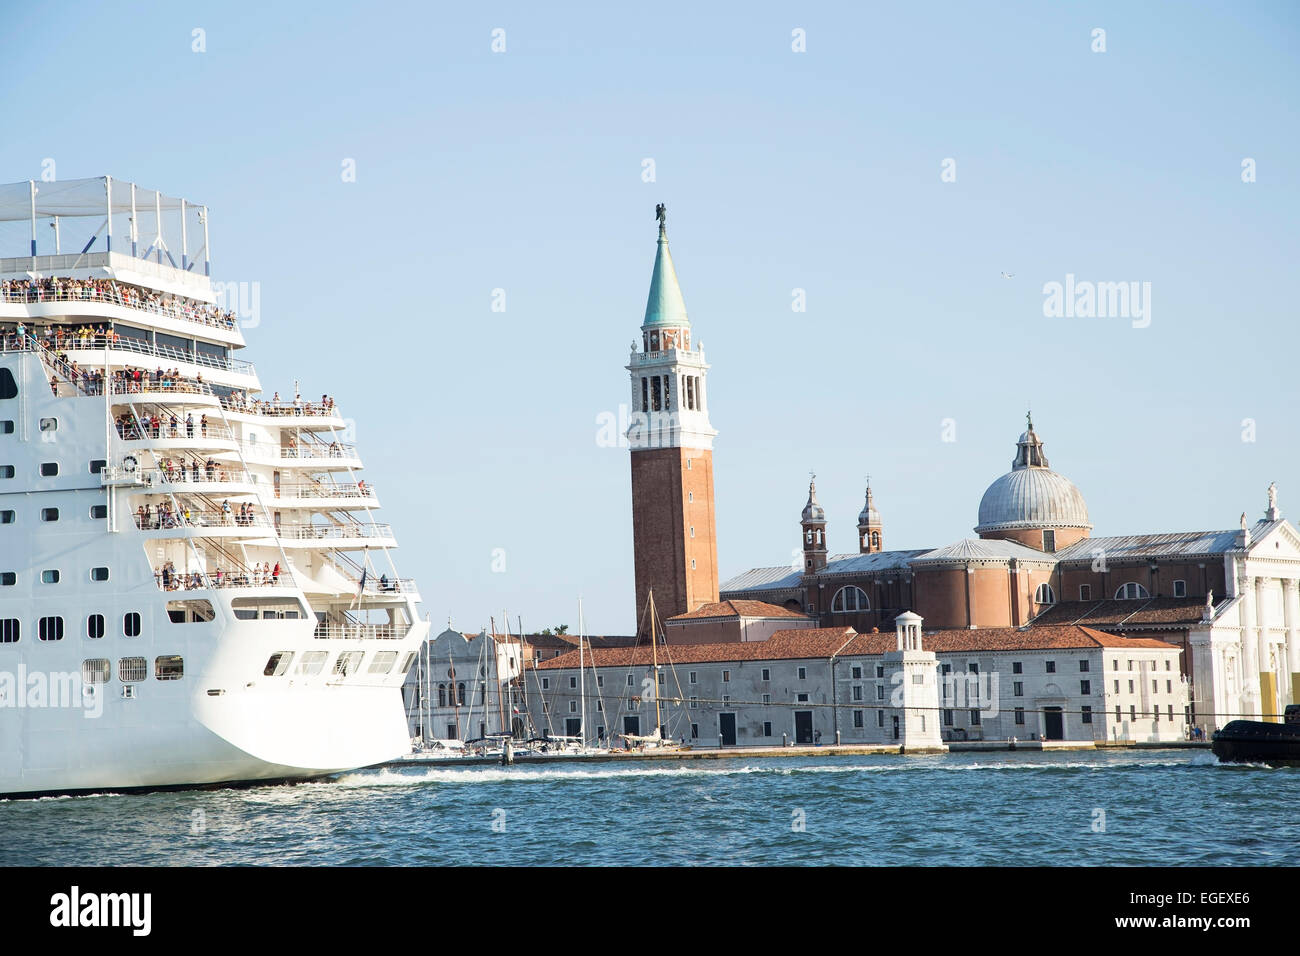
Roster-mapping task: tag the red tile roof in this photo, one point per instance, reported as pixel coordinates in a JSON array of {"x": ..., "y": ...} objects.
[
  {"x": 821, "y": 642},
  {"x": 738, "y": 608},
  {"x": 1166, "y": 612},
  {"x": 798, "y": 644}
]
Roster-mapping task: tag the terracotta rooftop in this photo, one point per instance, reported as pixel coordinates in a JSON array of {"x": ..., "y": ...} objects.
[
  {"x": 799, "y": 644},
  {"x": 738, "y": 608},
  {"x": 822, "y": 642}
]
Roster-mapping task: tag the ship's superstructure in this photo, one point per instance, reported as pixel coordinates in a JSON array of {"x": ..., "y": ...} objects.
[{"x": 193, "y": 585}]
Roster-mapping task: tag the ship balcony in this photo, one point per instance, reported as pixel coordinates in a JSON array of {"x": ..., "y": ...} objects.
[
  {"x": 313, "y": 456},
  {"x": 325, "y": 496},
  {"x": 309, "y": 416},
  {"x": 180, "y": 437},
  {"x": 221, "y": 580},
  {"x": 176, "y": 480},
  {"x": 361, "y": 632},
  {"x": 203, "y": 524},
  {"x": 176, "y": 304},
  {"x": 346, "y": 537},
  {"x": 95, "y": 351},
  {"x": 174, "y": 394}
]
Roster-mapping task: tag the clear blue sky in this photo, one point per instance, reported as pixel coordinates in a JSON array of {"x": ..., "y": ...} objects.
[{"x": 781, "y": 170}]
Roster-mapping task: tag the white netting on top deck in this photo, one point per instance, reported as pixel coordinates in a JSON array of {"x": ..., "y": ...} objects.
[{"x": 82, "y": 209}]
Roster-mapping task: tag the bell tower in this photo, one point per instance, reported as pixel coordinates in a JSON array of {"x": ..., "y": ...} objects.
[
  {"x": 813, "y": 523},
  {"x": 871, "y": 533},
  {"x": 673, "y": 531}
]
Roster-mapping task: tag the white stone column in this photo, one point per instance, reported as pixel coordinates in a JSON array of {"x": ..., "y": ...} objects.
[
  {"x": 1249, "y": 686},
  {"x": 1291, "y": 608}
]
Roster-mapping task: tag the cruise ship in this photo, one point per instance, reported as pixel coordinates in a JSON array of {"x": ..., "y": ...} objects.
[{"x": 194, "y": 590}]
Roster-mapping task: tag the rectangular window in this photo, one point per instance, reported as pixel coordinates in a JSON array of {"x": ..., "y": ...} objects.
[
  {"x": 95, "y": 627},
  {"x": 880, "y": 670},
  {"x": 803, "y": 673},
  {"x": 132, "y": 670},
  {"x": 1017, "y": 667},
  {"x": 1180, "y": 589},
  {"x": 857, "y": 672},
  {"x": 383, "y": 662},
  {"x": 50, "y": 629},
  {"x": 6, "y": 471},
  {"x": 767, "y": 698},
  {"x": 1085, "y": 688},
  {"x": 974, "y": 668},
  {"x": 573, "y": 683},
  {"x": 1049, "y": 541},
  {"x": 99, "y": 574},
  {"x": 1083, "y": 667},
  {"x": 767, "y": 727},
  {"x": 695, "y": 702},
  {"x": 880, "y": 692},
  {"x": 8, "y": 578},
  {"x": 97, "y": 465},
  {"x": 1020, "y": 716},
  {"x": 880, "y": 718},
  {"x": 974, "y": 718},
  {"x": 947, "y": 718},
  {"x": 171, "y": 667},
  {"x": 98, "y": 512},
  {"x": 600, "y": 680},
  {"x": 1169, "y": 687},
  {"x": 857, "y": 720},
  {"x": 49, "y": 514},
  {"x": 131, "y": 623},
  {"x": 1051, "y": 667},
  {"x": 49, "y": 469},
  {"x": 630, "y": 681},
  {"x": 1132, "y": 712},
  {"x": 1130, "y": 687},
  {"x": 7, "y": 427},
  {"x": 50, "y": 577},
  {"x": 312, "y": 662},
  {"x": 546, "y": 683},
  {"x": 767, "y": 674},
  {"x": 726, "y": 677},
  {"x": 573, "y": 706},
  {"x": 1018, "y": 689},
  {"x": 1085, "y": 714},
  {"x": 695, "y": 731},
  {"x": 277, "y": 664},
  {"x": 10, "y": 630},
  {"x": 97, "y": 670},
  {"x": 7, "y": 517},
  {"x": 349, "y": 661},
  {"x": 692, "y": 679},
  {"x": 1117, "y": 687},
  {"x": 857, "y": 692},
  {"x": 802, "y": 698},
  {"x": 1085, "y": 592}
]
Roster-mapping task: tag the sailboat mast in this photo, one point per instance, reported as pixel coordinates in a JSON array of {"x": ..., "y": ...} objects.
[
  {"x": 582, "y": 678},
  {"x": 654, "y": 656}
]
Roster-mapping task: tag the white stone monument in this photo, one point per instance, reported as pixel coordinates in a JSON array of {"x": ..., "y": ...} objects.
[{"x": 914, "y": 699}]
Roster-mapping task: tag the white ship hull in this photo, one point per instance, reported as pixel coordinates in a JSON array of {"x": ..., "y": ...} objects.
[{"x": 192, "y": 589}]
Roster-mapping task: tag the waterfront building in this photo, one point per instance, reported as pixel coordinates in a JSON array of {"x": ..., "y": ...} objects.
[{"x": 907, "y": 688}]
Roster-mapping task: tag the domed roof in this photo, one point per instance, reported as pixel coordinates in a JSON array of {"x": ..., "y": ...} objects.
[
  {"x": 1031, "y": 495},
  {"x": 869, "y": 516},
  {"x": 813, "y": 511}
]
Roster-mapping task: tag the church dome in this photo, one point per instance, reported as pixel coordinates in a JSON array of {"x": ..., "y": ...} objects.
[
  {"x": 813, "y": 511},
  {"x": 869, "y": 516},
  {"x": 1031, "y": 495}
]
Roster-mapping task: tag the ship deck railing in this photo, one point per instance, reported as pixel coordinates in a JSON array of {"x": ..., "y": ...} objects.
[
  {"x": 174, "y": 521},
  {"x": 312, "y": 532},
  {"x": 310, "y": 490},
  {"x": 181, "y": 430},
  {"x": 334, "y": 450},
  {"x": 168, "y": 306},
  {"x": 357, "y": 632},
  {"x": 122, "y": 343},
  {"x": 200, "y": 581},
  {"x": 283, "y": 409},
  {"x": 184, "y": 475}
]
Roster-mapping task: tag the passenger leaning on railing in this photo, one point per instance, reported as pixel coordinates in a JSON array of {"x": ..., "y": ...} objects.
[{"x": 59, "y": 288}]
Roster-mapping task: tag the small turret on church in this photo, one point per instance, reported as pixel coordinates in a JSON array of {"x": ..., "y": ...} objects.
[
  {"x": 871, "y": 533},
  {"x": 813, "y": 523}
]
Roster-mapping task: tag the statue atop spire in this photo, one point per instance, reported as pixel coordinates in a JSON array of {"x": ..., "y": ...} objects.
[{"x": 661, "y": 215}]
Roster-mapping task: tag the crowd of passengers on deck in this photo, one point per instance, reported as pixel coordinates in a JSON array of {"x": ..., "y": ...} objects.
[{"x": 61, "y": 288}]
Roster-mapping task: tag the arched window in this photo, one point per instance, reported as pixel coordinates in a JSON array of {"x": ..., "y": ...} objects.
[
  {"x": 1131, "y": 591},
  {"x": 875, "y": 539},
  {"x": 442, "y": 695},
  {"x": 850, "y": 599},
  {"x": 460, "y": 693},
  {"x": 1044, "y": 594}
]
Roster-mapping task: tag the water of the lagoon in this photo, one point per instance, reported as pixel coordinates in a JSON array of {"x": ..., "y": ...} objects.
[{"x": 1160, "y": 807}]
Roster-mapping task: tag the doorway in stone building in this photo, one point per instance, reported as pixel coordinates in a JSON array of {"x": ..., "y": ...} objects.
[
  {"x": 727, "y": 729},
  {"x": 1053, "y": 724},
  {"x": 803, "y": 726}
]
